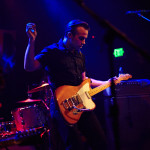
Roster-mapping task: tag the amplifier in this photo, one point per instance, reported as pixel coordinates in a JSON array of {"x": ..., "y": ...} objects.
[
  {"x": 135, "y": 87},
  {"x": 133, "y": 117}
]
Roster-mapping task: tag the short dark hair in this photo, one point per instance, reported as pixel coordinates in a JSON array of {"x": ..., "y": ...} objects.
[{"x": 73, "y": 24}]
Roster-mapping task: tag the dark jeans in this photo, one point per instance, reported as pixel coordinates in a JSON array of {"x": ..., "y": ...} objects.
[{"x": 87, "y": 132}]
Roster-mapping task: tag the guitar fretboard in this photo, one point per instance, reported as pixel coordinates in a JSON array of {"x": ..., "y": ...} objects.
[
  {"x": 99, "y": 88},
  {"x": 108, "y": 84}
]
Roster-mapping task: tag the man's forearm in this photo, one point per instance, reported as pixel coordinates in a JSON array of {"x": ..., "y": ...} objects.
[
  {"x": 95, "y": 83},
  {"x": 30, "y": 64}
]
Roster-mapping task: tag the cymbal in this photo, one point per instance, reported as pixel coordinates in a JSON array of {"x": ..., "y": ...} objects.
[
  {"x": 40, "y": 88},
  {"x": 29, "y": 101}
]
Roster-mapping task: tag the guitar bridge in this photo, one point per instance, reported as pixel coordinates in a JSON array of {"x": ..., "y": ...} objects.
[{"x": 66, "y": 104}]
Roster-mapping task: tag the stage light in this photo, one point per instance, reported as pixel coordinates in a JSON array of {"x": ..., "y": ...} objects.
[{"x": 93, "y": 36}]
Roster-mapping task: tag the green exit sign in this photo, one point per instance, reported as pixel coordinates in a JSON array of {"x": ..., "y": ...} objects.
[{"x": 118, "y": 52}]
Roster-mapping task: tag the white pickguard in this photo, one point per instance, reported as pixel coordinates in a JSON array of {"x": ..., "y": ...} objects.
[{"x": 85, "y": 97}]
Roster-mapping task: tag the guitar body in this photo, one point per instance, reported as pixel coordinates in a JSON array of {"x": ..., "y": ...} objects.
[
  {"x": 69, "y": 96},
  {"x": 73, "y": 100}
]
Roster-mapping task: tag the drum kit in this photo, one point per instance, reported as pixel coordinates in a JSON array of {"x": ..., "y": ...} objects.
[{"x": 29, "y": 120}]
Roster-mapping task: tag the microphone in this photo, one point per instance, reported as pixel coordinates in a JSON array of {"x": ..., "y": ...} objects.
[{"x": 138, "y": 11}]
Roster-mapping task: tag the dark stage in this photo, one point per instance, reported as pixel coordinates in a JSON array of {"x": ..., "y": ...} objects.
[{"x": 25, "y": 121}]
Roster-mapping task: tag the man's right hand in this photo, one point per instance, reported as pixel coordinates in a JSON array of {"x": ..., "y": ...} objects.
[
  {"x": 31, "y": 31},
  {"x": 31, "y": 64}
]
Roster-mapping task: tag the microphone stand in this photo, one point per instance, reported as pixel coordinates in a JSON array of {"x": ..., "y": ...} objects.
[
  {"x": 140, "y": 15},
  {"x": 113, "y": 32},
  {"x": 113, "y": 107}
]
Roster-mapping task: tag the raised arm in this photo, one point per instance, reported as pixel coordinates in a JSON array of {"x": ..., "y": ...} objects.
[{"x": 31, "y": 64}]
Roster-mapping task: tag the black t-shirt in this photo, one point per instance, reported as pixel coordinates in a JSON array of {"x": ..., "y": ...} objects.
[{"x": 63, "y": 67}]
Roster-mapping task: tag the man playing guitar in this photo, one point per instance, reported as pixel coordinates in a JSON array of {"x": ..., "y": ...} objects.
[{"x": 65, "y": 64}]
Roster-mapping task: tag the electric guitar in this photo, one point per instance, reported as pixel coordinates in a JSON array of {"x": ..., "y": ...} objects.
[{"x": 74, "y": 100}]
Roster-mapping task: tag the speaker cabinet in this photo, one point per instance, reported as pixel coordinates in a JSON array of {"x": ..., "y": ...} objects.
[{"x": 133, "y": 122}]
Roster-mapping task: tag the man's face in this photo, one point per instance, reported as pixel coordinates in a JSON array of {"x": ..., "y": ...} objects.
[{"x": 78, "y": 40}]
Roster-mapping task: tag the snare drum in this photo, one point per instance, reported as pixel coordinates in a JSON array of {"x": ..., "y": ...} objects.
[{"x": 29, "y": 117}]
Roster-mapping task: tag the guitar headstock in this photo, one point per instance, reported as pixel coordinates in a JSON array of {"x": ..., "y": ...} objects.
[{"x": 124, "y": 77}]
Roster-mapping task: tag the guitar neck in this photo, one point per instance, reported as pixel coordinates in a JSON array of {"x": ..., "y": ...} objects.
[{"x": 99, "y": 88}]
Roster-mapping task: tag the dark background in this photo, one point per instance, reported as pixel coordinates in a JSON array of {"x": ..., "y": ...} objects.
[{"x": 51, "y": 16}]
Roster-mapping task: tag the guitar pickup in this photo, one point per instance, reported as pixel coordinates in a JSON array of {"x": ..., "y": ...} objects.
[{"x": 88, "y": 95}]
